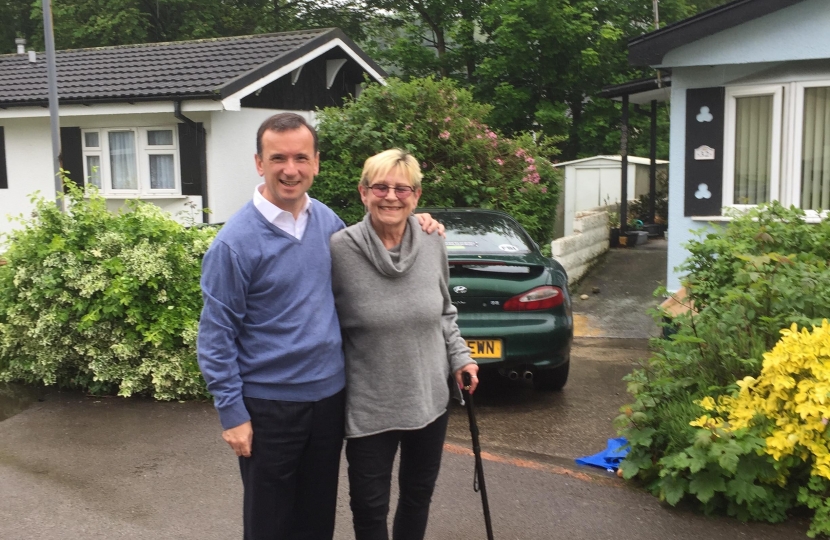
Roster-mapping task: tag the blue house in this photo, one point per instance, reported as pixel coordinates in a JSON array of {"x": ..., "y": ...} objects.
[{"x": 750, "y": 115}]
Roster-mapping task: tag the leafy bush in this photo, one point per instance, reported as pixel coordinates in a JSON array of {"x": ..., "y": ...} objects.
[
  {"x": 102, "y": 302},
  {"x": 765, "y": 271},
  {"x": 787, "y": 405},
  {"x": 463, "y": 161}
]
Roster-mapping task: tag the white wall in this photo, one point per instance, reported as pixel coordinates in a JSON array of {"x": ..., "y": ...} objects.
[
  {"x": 579, "y": 251},
  {"x": 798, "y": 32},
  {"x": 231, "y": 169},
  {"x": 28, "y": 164}
]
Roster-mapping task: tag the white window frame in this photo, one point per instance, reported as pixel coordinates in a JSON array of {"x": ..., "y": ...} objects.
[
  {"x": 143, "y": 151},
  {"x": 92, "y": 151},
  {"x": 793, "y": 195},
  {"x": 730, "y": 117},
  {"x": 147, "y": 150}
]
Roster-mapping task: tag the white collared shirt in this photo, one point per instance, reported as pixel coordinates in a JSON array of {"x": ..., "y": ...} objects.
[{"x": 280, "y": 218}]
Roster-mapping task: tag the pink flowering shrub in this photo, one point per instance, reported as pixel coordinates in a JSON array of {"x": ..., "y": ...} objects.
[{"x": 465, "y": 163}]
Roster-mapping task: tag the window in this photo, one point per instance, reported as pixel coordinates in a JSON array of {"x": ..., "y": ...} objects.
[
  {"x": 777, "y": 145},
  {"x": 753, "y": 134},
  {"x": 812, "y": 166},
  {"x": 127, "y": 161}
]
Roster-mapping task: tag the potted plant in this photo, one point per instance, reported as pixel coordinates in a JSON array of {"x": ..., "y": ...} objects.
[{"x": 614, "y": 231}]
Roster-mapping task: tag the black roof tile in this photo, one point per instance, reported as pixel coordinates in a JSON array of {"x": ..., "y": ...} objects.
[{"x": 209, "y": 68}]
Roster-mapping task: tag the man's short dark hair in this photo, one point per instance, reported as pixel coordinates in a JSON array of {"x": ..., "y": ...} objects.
[{"x": 283, "y": 122}]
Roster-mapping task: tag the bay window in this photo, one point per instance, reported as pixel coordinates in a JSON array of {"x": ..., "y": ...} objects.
[{"x": 777, "y": 145}]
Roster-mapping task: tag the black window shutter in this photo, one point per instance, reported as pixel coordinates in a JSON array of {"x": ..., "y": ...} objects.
[
  {"x": 4, "y": 175},
  {"x": 193, "y": 160},
  {"x": 704, "y": 151},
  {"x": 72, "y": 154}
]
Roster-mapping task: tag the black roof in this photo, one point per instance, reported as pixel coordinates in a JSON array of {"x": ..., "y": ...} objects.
[
  {"x": 207, "y": 68},
  {"x": 649, "y": 49}
]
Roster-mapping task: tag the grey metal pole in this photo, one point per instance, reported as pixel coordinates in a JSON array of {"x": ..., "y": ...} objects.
[{"x": 54, "y": 119}]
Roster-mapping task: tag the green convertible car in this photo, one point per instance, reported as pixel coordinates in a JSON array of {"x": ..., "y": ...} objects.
[{"x": 513, "y": 304}]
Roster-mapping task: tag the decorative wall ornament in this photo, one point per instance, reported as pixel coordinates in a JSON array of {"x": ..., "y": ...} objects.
[
  {"x": 703, "y": 192},
  {"x": 705, "y": 115},
  {"x": 704, "y": 153}
]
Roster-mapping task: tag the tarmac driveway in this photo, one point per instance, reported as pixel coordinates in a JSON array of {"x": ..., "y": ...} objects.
[{"x": 75, "y": 467}]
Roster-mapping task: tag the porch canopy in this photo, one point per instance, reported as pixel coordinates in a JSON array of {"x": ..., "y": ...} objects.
[{"x": 639, "y": 92}]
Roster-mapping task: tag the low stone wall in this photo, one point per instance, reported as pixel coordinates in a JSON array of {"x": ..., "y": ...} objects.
[{"x": 580, "y": 251}]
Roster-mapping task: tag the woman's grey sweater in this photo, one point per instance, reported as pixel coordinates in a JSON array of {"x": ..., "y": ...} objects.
[{"x": 399, "y": 328}]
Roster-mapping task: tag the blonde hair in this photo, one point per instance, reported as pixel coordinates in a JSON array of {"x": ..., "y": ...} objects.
[{"x": 379, "y": 165}]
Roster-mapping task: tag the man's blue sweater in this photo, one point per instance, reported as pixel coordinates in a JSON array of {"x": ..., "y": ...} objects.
[{"x": 268, "y": 327}]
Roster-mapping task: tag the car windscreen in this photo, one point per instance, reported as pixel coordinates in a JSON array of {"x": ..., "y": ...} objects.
[{"x": 483, "y": 233}]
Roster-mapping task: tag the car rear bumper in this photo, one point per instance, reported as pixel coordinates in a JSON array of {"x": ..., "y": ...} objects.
[{"x": 542, "y": 340}]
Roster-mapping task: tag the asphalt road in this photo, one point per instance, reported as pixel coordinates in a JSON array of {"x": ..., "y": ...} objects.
[{"x": 76, "y": 467}]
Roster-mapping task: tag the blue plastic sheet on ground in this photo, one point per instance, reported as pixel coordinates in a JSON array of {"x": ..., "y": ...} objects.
[{"x": 609, "y": 458}]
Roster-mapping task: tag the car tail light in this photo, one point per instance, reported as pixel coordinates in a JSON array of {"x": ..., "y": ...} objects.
[{"x": 546, "y": 297}]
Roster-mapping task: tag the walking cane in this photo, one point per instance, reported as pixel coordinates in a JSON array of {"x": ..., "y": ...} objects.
[{"x": 478, "y": 482}]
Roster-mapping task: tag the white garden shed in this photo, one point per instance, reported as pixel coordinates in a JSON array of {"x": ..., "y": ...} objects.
[{"x": 596, "y": 181}]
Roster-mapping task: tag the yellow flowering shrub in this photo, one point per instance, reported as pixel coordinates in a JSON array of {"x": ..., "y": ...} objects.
[{"x": 792, "y": 392}]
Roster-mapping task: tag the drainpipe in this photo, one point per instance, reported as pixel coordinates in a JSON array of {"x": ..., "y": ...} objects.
[{"x": 177, "y": 112}]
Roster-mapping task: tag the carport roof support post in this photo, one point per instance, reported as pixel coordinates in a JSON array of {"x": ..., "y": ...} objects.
[{"x": 624, "y": 165}]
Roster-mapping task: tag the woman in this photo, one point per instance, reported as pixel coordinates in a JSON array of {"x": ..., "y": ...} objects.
[{"x": 401, "y": 343}]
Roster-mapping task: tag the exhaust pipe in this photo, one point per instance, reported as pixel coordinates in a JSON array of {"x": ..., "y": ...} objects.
[
  {"x": 527, "y": 375},
  {"x": 512, "y": 375}
]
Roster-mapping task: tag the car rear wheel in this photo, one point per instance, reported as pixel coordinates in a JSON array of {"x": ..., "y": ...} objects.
[{"x": 552, "y": 379}]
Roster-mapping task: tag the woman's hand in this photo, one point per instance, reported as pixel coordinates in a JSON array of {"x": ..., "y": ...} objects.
[{"x": 472, "y": 369}]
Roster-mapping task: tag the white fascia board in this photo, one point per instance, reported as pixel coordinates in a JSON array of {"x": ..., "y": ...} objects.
[
  {"x": 106, "y": 109},
  {"x": 233, "y": 102}
]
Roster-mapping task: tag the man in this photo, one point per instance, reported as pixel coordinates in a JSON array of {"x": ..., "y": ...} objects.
[{"x": 269, "y": 342}]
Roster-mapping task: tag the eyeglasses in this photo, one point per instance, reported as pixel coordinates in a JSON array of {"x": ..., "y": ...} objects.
[{"x": 402, "y": 192}]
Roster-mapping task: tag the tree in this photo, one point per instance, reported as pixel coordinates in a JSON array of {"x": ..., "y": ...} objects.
[
  {"x": 97, "y": 23},
  {"x": 428, "y": 37},
  {"x": 547, "y": 59},
  {"x": 16, "y": 23},
  {"x": 464, "y": 162}
]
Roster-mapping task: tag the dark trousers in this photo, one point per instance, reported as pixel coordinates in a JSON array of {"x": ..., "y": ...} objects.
[
  {"x": 370, "y": 476},
  {"x": 290, "y": 480}
]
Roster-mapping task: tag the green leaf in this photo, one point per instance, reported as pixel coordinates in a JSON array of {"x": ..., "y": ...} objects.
[
  {"x": 699, "y": 458},
  {"x": 706, "y": 483},
  {"x": 673, "y": 488}
]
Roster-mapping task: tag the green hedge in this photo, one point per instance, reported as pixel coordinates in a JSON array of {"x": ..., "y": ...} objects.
[
  {"x": 761, "y": 273},
  {"x": 102, "y": 302}
]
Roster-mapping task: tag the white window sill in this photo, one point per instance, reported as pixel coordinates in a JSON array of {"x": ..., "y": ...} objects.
[
  {"x": 712, "y": 218},
  {"x": 171, "y": 196},
  {"x": 726, "y": 219}
]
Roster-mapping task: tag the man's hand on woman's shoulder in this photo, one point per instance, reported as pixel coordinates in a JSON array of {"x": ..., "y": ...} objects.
[{"x": 429, "y": 225}]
